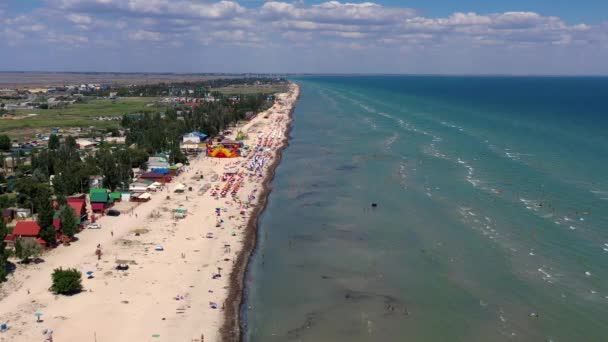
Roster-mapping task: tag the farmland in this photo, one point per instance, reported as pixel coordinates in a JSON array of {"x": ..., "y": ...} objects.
[{"x": 76, "y": 115}]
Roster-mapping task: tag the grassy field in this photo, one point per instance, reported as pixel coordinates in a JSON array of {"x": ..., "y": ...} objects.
[
  {"x": 76, "y": 115},
  {"x": 249, "y": 89}
]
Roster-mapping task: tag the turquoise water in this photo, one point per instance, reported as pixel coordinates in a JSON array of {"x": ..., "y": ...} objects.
[{"x": 492, "y": 217}]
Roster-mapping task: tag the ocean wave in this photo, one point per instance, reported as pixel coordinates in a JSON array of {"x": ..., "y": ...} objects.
[
  {"x": 403, "y": 174},
  {"x": 451, "y": 125},
  {"x": 470, "y": 173},
  {"x": 388, "y": 142},
  {"x": 370, "y": 123}
]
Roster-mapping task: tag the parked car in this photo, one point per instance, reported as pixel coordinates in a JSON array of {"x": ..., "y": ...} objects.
[
  {"x": 113, "y": 212},
  {"x": 94, "y": 226}
]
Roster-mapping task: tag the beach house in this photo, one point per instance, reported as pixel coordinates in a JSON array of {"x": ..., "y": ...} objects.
[
  {"x": 25, "y": 230},
  {"x": 99, "y": 199},
  {"x": 194, "y": 138}
]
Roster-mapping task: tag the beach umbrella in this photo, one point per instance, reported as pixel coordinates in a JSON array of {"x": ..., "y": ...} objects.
[
  {"x": 90, "y": 274},
  {"x": 38, "y": 315},
  {"x": 156, "y": 335}
]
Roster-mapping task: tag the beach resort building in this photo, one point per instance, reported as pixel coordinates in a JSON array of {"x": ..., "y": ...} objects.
[
  {"x": 100, "y": 200},
  {"x": 25, "y": 230}
]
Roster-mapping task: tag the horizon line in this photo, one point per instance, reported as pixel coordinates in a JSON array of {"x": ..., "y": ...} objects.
[{"x": 202, "y": 73}]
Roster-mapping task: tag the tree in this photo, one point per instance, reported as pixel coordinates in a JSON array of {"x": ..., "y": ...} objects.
[
  {"x": 3, "y": 255},
  {"x": 69, "y": 226},
  {"x": 44, "y": 206},
  {"x": 49, "y": 236},
  {"x": 26, "y": 249},
  {"x": 53, "y": 142},
  {"x": 5, "y": 142},
  {"x": 66, "y": 282}
]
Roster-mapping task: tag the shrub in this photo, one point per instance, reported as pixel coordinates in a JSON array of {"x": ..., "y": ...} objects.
[
  {"x": 66, "y": 282},
  {"x": 26, "y": 249}
]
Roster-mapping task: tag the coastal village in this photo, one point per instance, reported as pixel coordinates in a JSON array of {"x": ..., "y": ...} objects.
[{"x": 159, "y": 227}]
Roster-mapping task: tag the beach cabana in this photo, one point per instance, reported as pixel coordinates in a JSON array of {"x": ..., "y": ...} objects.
[{"x": 99, "y": 198}]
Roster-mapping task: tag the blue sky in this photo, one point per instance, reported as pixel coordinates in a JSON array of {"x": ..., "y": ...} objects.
[{"x": 383, "y": 36}]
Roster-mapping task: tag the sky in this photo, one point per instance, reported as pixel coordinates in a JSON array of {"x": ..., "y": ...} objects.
[{"x": 511, "y": 37}]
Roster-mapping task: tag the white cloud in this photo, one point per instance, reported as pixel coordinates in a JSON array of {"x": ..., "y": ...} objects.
[
  {"x": 336, "y": 12},
  {"x": 290, "y": 25},
  {"x": 80, "y": 19},
  {"x": 165, "y": 8},
  {"x": 142, "y": 35}
]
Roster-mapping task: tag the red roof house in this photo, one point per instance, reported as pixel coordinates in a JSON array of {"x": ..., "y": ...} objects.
[
  {"x": 79, "y": 206},
  {"x": 26, "y": 229}
]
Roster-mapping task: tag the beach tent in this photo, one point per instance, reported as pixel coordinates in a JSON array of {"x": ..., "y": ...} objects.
[
  {"x": 222, "y": 152},
  {"x": 125, "y": 196},
  {"x": 180, "y": 188}
]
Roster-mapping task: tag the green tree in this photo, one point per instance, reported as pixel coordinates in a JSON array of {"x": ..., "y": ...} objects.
[
  {"x": 49, "y": 235},
  {"x": 26, "y": 249},
  {"x": 53, "y": 142},
  {"x": 44, "y": 206},
  {"x": 5, "y": 142},
  {"x": 69, "y": 225},
  {"x": 3, "y": 255},
  {"x": 66, "y": 282}
]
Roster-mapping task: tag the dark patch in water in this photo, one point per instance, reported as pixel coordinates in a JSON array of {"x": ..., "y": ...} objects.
[
  {"x": 309, "y": 321},
  {"x": 392, "y": 305},
  {"x": 349, "y": 235},
  {"x": 312, "y": 204},
  {"x": 305, "y": 238},
  {"x": 306, "y": 194},
  {"x": 346, "y": 167}
]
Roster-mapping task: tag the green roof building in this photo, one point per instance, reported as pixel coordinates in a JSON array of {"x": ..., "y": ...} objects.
[{"x": 98, "y": 195}]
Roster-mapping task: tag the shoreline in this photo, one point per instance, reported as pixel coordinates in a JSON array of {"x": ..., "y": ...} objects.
[
  {"x": 190, "y": 288},
  {"x": 231, "y": 329}
]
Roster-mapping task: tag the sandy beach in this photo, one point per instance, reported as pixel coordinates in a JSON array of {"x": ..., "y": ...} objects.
[{"x": 181, "y": 293}]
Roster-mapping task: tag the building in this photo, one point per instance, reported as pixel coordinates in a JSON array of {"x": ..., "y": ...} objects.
[
  {"x": 194, "y": 138},
  {"x": 25, "y": 230},
  {"x": 99, "y": 199},
  {"x": 116, "y": 140},
  {"x": 80, "y": 208},
  {"x": 156, "y": 177},
  {"x": 85, "y": 143}
]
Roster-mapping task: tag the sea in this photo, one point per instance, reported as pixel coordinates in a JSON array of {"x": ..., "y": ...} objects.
[{"x": 423, "y": 208}]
